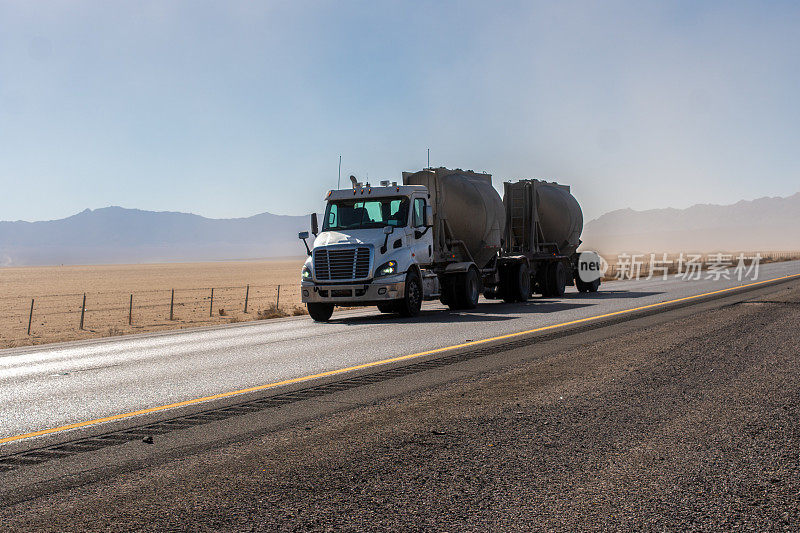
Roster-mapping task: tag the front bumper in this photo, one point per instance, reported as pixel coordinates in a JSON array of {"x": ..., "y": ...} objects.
[{"x": 376, "y": 291}]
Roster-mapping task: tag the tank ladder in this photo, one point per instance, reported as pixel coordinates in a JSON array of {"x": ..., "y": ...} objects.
[{"x": 520, "y": 219}]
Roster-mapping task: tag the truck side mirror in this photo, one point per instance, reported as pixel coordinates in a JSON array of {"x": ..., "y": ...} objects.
[
  {"x": 428, "y": 216},
  {"x": 314, "y": 224},
  {"x": 387, "y": 230},
  {"x": 303, "y": 235}
]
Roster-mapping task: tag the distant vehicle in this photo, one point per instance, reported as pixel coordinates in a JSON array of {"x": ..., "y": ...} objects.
[{"x": 442, "y": 234}]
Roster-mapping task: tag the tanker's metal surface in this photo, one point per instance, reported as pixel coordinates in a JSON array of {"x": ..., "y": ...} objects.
[
  {"x": 467, "y": 204},
  {"x": 551, "y": 207},
  {"x": 560, "y": 216}
]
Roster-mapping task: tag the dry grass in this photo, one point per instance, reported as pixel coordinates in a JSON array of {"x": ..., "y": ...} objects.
[
  {"x": 58, "y": 294},
  {"x": 271, "y": 312}
]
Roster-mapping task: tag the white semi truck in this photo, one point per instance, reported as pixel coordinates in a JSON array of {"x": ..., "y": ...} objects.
[{"x": 441, "y": 234}]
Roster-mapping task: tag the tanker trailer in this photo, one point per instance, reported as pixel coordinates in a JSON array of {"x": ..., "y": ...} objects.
[
  {"x": 468, "y": 212},
  {"x": 543, "y": 226},
  {"x": 469, "y": 221}
]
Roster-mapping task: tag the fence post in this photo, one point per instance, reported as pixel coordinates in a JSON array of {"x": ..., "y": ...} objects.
[
  {"x": 83, "y": 309},
  {"x": 171, "y": 304},
  {"x": 130, "y": 311},
  {"x": 246, "y": 296},
  {"x": 211, "y": 306},
  {"x": 30, "y": 317},
  {"x": 278, "y": 300}
]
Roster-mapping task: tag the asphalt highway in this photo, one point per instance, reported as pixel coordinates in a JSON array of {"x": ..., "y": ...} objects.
[
  {"x": 682, "y": 418},
  {"x": 46, "y": 388}
]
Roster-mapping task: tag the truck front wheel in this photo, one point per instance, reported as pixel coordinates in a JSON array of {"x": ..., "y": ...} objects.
[
  {"x": 320, "y": 312},
  {"x": 411, "y": 304}
]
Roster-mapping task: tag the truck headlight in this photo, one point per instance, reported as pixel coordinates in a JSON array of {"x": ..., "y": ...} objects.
[
  {"x": 306, "y": 273},
  {"x": 387, "y": 269}
]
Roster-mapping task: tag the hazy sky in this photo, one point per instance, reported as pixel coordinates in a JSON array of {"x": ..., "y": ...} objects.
[{"x": 230, "y": 109}]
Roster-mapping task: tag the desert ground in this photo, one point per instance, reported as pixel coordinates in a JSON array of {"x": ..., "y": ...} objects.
[{"x": 58, "y": 292}]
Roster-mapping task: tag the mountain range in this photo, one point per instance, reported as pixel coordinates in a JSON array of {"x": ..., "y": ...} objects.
[
  {"x": 769, "y": 224},
  {"x": 118, "y": 235}
]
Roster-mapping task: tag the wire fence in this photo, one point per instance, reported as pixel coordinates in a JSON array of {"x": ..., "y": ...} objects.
[{"x": 112, "y": 312}]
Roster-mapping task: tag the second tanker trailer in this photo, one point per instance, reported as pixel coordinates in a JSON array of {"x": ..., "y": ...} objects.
[{"x": 443, "y": 234}]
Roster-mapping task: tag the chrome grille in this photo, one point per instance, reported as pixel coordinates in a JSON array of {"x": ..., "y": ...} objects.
[{"x": 341, "y": 263}]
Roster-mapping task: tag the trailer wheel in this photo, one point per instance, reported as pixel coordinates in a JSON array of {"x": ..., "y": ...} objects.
[
  {"x": 556, "y": 282},
  {"x": 519, "y": 283},
  {"x": 507, "y": 283},
  {"x": 540, "y": 285},
  {"x": 593, "y": 286},
  {"x": 545, "y": 280},
  {"x": 581, "y": 285},
  {"x": 320, "y": 312},
  {"x": 490, "y": 293},
  {"x": 587, "y": 286},
  {"x": 411, "y": 304}
]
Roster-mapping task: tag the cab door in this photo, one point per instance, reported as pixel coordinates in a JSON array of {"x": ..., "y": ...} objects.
[{"x": 420, "y": 238}]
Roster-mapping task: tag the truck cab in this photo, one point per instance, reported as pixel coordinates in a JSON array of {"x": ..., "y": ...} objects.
[{"x": 373, "y": 247}]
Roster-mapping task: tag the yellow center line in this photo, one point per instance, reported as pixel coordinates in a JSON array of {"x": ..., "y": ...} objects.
[{"x": 373, "y": 364}]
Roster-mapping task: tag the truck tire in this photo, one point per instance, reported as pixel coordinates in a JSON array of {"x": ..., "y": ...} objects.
[
  {"x": 387, "y": 307},
  {"x": 545, "y": 280},
  {"x": 490, "y": 293},
  {"x": 587, "y": 286},
  {"x": 540, "y": 286},
  {"x": 507, "y": 283},
  {"x": 447, "y": 288},
  {"x": 320, "y": 312},
  {"x": 519, "y": 283},
  {"x": 468, "y": 289},
  {"x": 581, "y": 285},
  {"x": 411, "y": 304},
  {"x": 593, "y": 286},
  {"x": 556, "y": 280}
]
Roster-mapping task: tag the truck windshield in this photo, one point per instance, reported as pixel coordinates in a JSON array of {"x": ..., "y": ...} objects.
[{"x": 356, "y": 214}]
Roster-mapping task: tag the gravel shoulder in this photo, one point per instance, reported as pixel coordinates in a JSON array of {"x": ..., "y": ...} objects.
[{"x": 691, "y": 424}]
